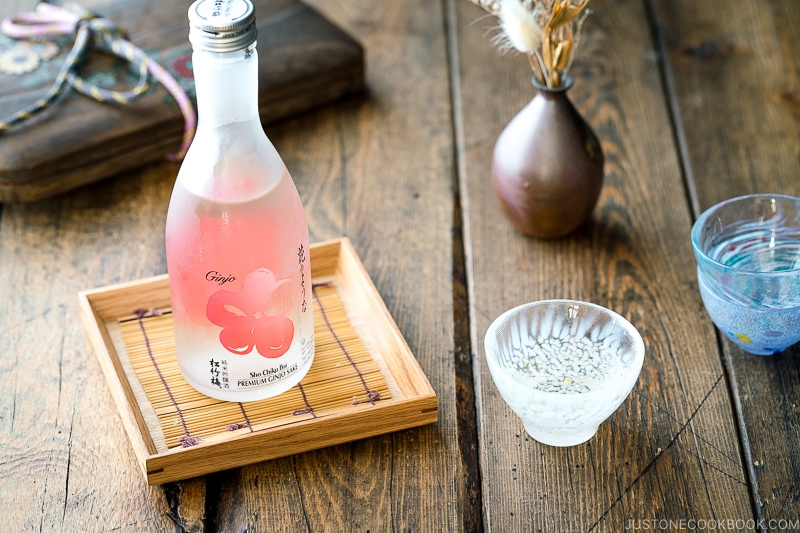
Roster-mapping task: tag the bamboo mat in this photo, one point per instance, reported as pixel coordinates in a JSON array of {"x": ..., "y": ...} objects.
[{"x": 342, "y": 377}]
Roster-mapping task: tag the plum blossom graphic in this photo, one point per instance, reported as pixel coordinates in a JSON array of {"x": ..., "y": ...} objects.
[{"x": 248, "y": 319}]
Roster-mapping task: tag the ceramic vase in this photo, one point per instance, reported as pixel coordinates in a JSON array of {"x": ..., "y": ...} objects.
[{"x": 547, "y": 167}]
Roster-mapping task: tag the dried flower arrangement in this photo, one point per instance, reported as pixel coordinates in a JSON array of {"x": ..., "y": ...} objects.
[{"x": 546, "y": 31}]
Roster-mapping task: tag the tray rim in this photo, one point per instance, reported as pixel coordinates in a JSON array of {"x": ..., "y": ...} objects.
[{"x": 416, "y": 404}]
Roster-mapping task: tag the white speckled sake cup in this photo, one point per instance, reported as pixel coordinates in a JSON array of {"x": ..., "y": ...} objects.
[{"x": 563, "y": 366}]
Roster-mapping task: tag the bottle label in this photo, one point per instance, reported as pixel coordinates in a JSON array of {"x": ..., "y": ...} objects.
[
  {"x": 240, "y": 285},
  {"x": 255, "y": 317},
  {"x": 253, "y": 313}
]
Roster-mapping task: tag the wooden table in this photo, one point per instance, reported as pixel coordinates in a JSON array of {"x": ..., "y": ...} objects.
[{"x": 694, "y": 102}]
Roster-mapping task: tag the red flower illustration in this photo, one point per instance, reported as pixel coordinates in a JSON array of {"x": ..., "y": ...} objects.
[{"x": 248, "y": 319}]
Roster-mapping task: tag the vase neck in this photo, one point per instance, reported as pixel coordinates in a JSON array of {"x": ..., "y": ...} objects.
[{"x": 559, "y": 90}]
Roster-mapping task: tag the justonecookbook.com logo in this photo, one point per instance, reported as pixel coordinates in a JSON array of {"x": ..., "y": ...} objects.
[{"x": 691, "y": 524}]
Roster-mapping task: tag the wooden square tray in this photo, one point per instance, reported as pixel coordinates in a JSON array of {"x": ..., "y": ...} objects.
[{"x": 364, "y": 380}]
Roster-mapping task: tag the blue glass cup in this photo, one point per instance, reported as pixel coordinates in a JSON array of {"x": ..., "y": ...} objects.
[{"x": 748, "y": 270}]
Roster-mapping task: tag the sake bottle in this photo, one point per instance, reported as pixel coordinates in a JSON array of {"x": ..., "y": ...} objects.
[{"x": 236, "y": 233}]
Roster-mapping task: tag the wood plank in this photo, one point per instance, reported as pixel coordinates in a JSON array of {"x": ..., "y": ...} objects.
[
  {"x": 735, "y": 80},
  {"x": 671, "y": 450},
  {"x": 187, "y": 503},
  {"x": 64, "y": 457},
  {"x": 378, "y": 171}
]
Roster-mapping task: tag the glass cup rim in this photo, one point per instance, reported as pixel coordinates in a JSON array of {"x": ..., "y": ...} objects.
[
  {"x": 490, "y": 341},
  {"x": 703, "y": 219}
]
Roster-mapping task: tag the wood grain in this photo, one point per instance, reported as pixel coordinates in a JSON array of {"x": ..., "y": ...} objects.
[
  {"x": 737, "y": 105},
  {"x": 64, "y": 460},
  {"x": 671, "y": 450},
  {"x": 187, "y": 502}
]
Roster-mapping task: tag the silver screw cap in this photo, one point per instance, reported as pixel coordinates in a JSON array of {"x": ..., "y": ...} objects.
[{"x": 222, "y": 25}]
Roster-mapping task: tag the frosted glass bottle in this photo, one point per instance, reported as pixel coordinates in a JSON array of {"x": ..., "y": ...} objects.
[{"x": 236, "y": 235}]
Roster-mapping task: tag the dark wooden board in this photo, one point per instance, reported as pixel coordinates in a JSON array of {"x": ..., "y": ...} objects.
[
  {"x": 737, "y": 103},
  {"x": 671, "y": 450},
  {"x": 304, "y": 62}
]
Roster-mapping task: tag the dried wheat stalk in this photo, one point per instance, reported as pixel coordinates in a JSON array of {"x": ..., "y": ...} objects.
[{"x": 546, "y": 31}]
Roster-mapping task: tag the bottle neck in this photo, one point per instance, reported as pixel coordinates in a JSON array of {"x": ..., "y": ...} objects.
[{"x": 227, "y": 86}]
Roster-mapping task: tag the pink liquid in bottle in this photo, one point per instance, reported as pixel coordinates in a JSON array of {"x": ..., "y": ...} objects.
[{"x": 241, "y": 303}]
